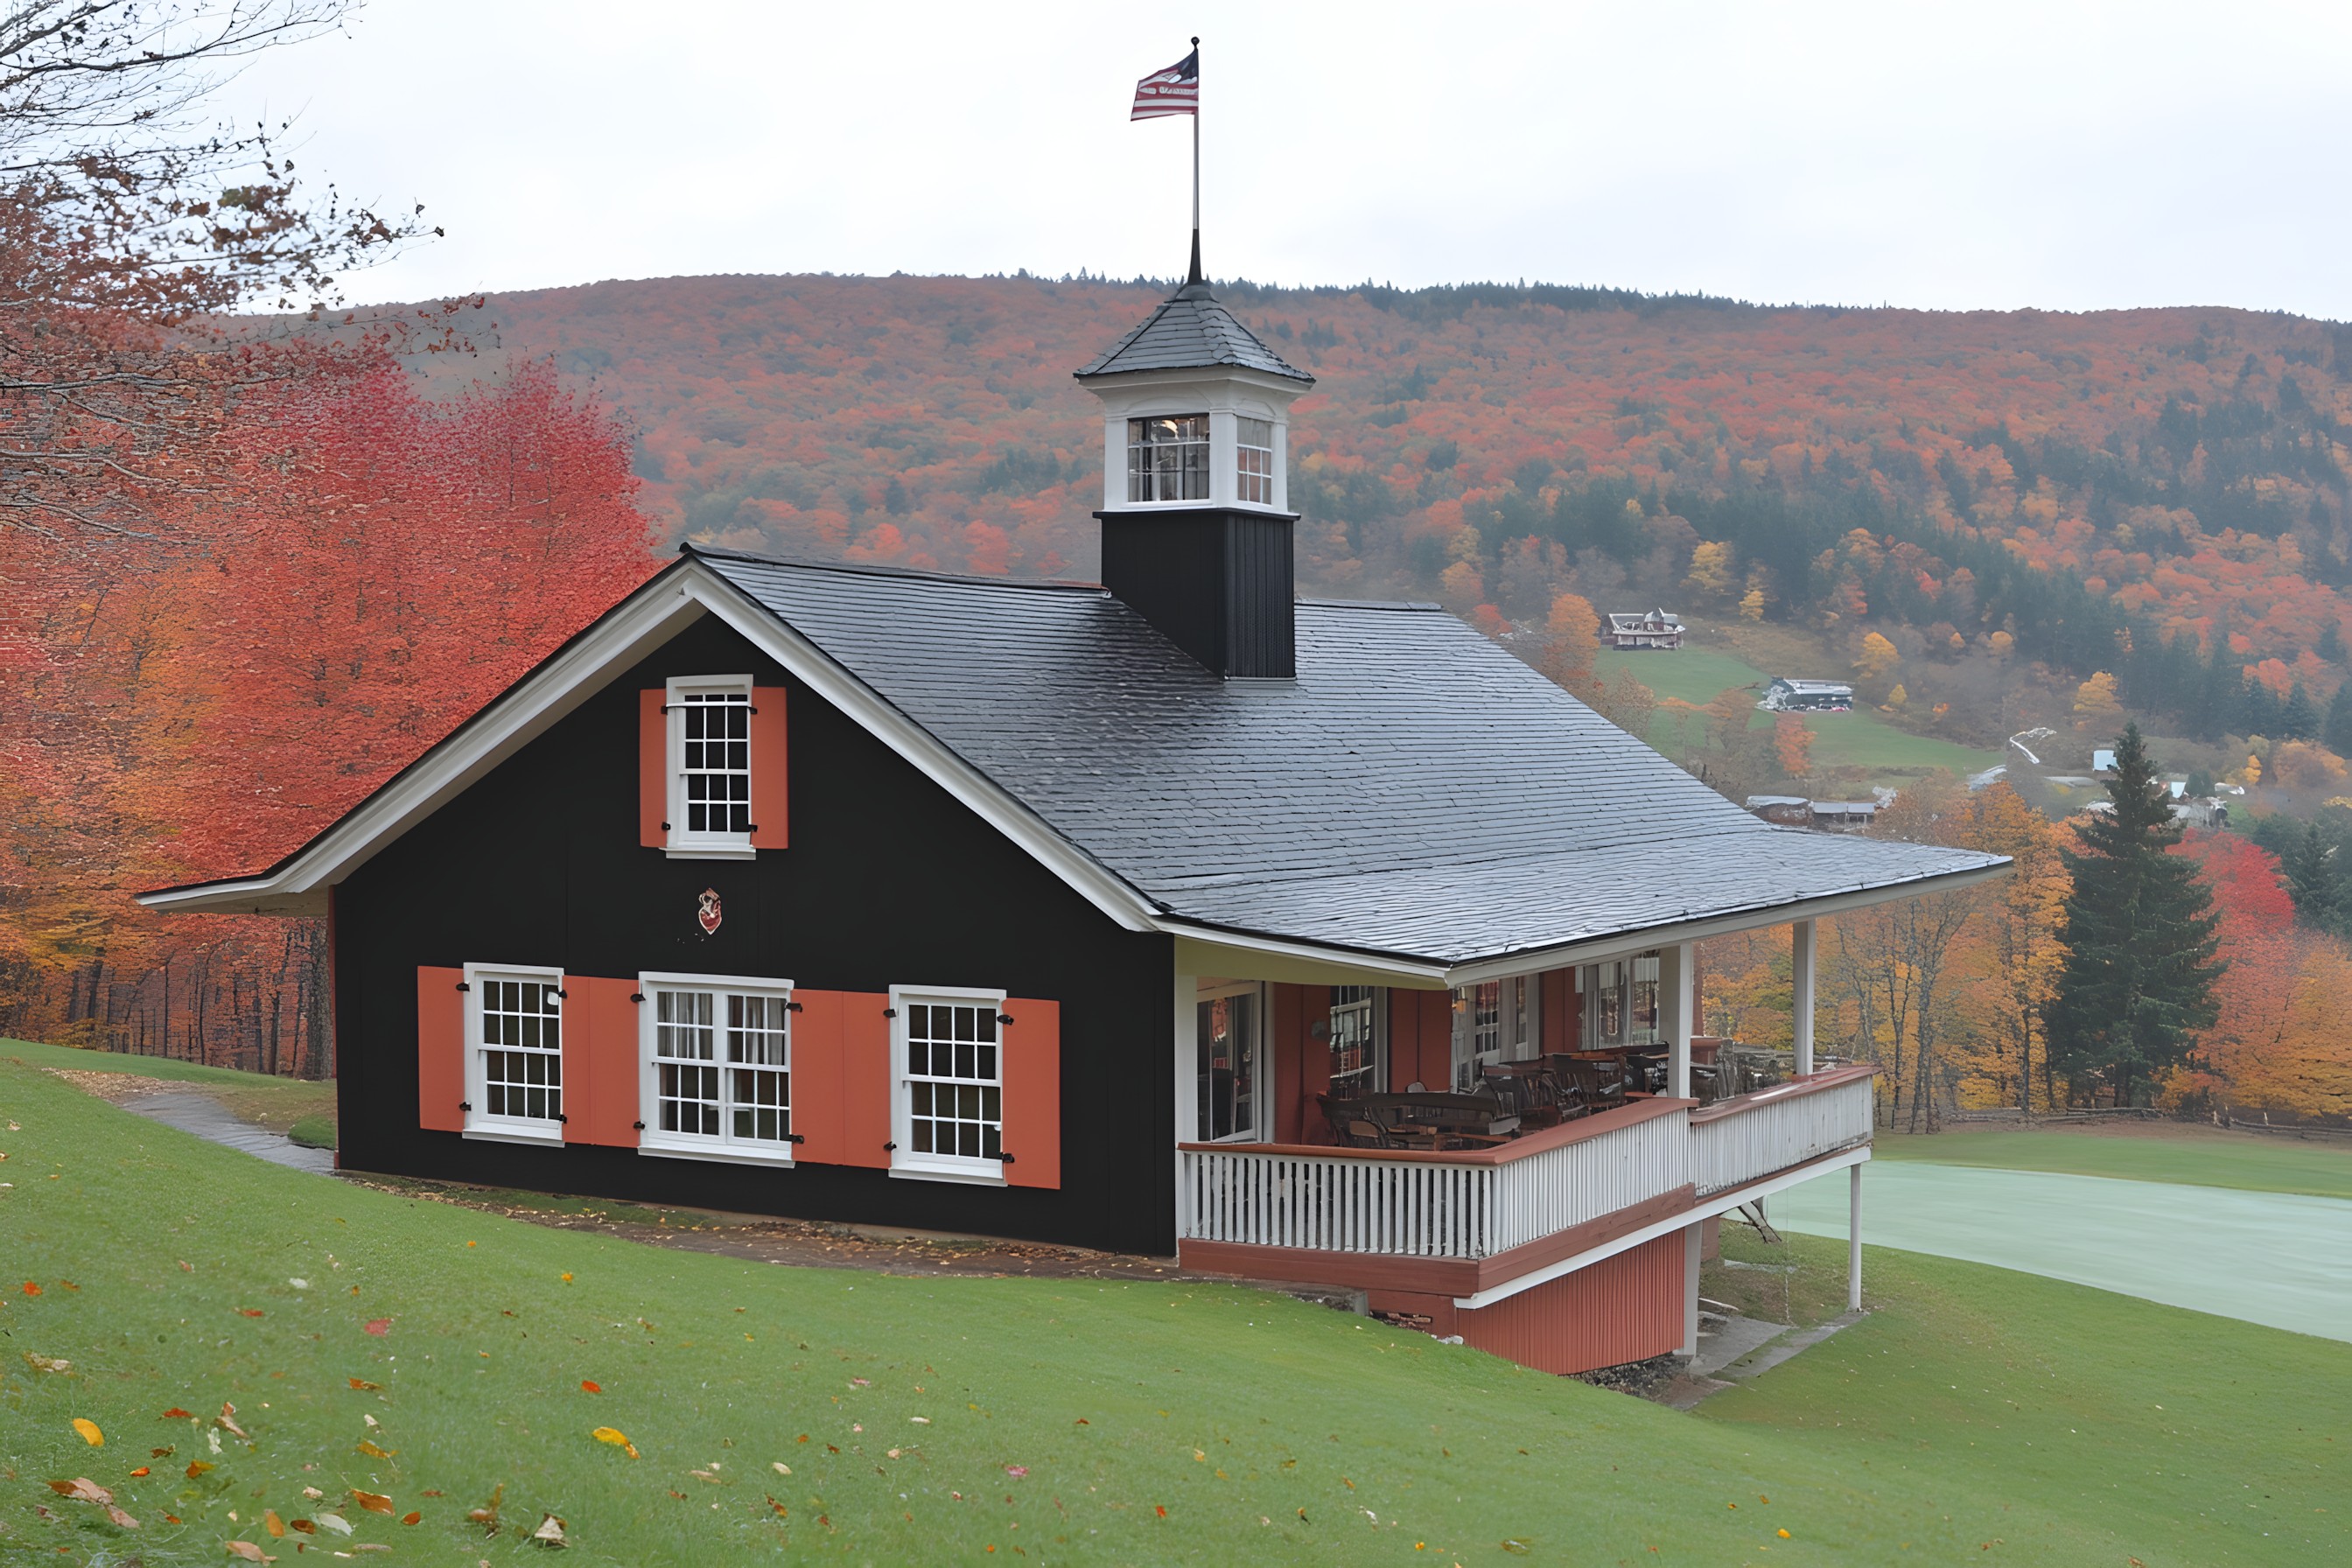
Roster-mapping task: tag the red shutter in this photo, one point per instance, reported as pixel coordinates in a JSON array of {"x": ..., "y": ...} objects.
[
  {"x": 866, "y": 1076},
  {"x": 816, "y": 1076},
  {"x": 440, "y": 1050},
  {"x": 600, "y": 1061},
  {"x": 834, "y": 1049},
  {"x": 653, "y": 770},
  {"x": 1033, "y": 1093},
  {"x": 770, "y": 797}
]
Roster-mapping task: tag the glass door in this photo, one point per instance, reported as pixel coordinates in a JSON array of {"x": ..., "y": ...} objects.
[{"x": 1233, "y": 1089}]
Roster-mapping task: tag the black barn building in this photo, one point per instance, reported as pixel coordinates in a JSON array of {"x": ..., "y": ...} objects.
[{"x": 1313, "y": 940}]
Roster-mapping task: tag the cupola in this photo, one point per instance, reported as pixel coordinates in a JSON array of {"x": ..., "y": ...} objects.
[{"x": 1196, "y": 518}]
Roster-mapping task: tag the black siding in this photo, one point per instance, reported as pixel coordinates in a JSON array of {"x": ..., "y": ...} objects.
[
  {"x": 1220, "y": 583},
  {"x": 887, "y": 880}
]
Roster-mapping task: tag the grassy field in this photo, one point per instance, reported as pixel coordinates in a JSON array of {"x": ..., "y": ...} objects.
[
  {"x": 1860, "y": 739},
  {"x": 425, "y": 1358},
  {"x": 277, "y": 1103},
  {"x": 2170, "y": 1151}
]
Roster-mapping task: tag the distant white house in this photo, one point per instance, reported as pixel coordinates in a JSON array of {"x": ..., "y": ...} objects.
[
  {"x": 1645, "y": 628},
  {"x": 1788, "y": 695}
]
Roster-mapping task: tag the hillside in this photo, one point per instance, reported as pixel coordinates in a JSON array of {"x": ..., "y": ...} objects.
[{"x": 2093, "y": 487}]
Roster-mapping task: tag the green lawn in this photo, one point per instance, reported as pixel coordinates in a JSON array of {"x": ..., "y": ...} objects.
[
  {"x": 277, "y": 1103},
  {"x": 1860, "y": 739},
  {"x": 2195, "y": 1157},
  {"x": 928, "y": 1420}
]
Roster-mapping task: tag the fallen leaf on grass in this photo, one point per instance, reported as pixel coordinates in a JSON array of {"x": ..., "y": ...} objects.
[
  {"x": 47, "y": 1363},
  {"x": 302, "y": 1526},
  {"x": 225, "y": 1421},
  {"x": 550, "y": 1532},
  {"x": 588, "y": 1387},
  {"x": 139, "y": 1472},
  {"x": 704, "y": 1476},
  {"x": 248, "y": 1551},
  {"x": 197, "y": 1468},
  {"x": 31, "y": 1289},
  {"x": 120, "y": 1518},
  {"x": 613, "y": 1435},
  {"x": 81, "y": 1489},
  {"x": 248, "y": 1311},
  {"x": 272, "y": 1523},
  {"x": 90, "y": 1432},
  {"x": 411, "y": 1517},
  {"x": 372, "y": 1452},
  {"x": 487, "y": 1516},
  {"x": 176, "y": 1413},
  {"x": 780, "y": 1468},
  {"x": 1016, "y": 1472},
  {"x": 374, "y": 1502},
  {"x": 1160, "y": 1508},
  {"x": 364, "y": 1385},
  {"x": 336, "y": 1523},
  {"x": 377, "y": 1326}
]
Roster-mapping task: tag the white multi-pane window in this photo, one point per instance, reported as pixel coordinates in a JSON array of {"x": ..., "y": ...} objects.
[
  {"x": 710, "y": 763},
  {"x": 1494, "y": 1021},
  {"x": 1621, "y": 1002},
  {"x": 718, "y": 1057},
  {"x": 1253, "y": 460},
  {"x": 949, "y": 1111},
  {"x": 1229, "y": 1036},
  {"x": 1167, "y": 458},
  {"x": 1355, "y": 1053},
  {"x": 514, "y": 1067}
]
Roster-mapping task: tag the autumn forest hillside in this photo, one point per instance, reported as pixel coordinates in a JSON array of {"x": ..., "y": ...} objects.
[{"x": 2017, "y": 503}]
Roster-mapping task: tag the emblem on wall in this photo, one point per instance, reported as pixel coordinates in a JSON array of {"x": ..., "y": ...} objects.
[{"x": 707, "y": 912}]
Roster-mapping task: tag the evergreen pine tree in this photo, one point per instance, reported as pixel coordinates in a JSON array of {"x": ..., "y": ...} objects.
[
  {"x": 2140, "y": 939},
  {"x": 2298, "y": 719},
  {"x": 2337, "y": 730},
  {"x": 2257, "y": 711},
  {"x": 2309, "y": 868}
]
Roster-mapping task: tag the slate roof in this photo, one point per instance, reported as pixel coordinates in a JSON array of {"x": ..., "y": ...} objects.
[
  {"x": 1190, "y": 332},
  {"x": 1417, "y": 791}
]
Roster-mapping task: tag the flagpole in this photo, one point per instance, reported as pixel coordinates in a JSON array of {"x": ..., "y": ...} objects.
[{"x": 1196, "y": 175}]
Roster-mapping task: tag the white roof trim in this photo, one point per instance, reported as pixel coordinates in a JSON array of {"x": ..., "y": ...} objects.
[
  {"x": 682, "y": 594},
  {"x": 627, "y": 633}
]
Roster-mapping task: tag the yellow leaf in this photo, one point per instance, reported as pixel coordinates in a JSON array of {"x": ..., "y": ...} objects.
[
  {"x": 613, "y": 1435},
  {"x": 372, "y": 1451},
  {"x": 90, "y": 1432}
]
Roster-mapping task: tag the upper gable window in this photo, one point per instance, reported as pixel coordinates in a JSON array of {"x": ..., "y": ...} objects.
[
  {"x": 1167, "y": 458},
  {"x": 1253, "y": 460},
  {"x": 710, "y": 763}
]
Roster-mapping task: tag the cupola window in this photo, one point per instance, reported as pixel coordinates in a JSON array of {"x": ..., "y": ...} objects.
[
  {"x": 1168, "y": 458},
  {"x": 1254, "y": 461}
]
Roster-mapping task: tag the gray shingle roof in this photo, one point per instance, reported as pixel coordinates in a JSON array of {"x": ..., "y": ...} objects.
[
  {"x": 1417, "y": 791},
  {"x": 1190, "y": 332}
]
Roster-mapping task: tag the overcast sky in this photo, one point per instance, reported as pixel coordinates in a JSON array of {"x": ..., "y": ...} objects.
[{"x": 2071, "y": 157}]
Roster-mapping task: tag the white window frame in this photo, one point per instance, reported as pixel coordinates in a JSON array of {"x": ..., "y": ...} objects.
[
  {"x": 479, "y": 1122},
  {"x": 1245, "y": 476},
  {"x": 1261, "y": 1067},
  {"x": 1375, "y": 1072},
  {"x": 1518, "y": 1027},
  {"x": 723, "y": 1146},
  {"x": 904, "y": 1160},
  {"x": 682, "y": 844},
  {"x": 1207, "y": 445}
]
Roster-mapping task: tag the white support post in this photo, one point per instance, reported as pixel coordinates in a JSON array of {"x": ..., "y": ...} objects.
[
  {"x": 1188, "y": 1019},
  {"x": 1854, "y": 1241},
  {"x": 1690, "y": 1289},
  {"x": 1675, "y": 997},
  {"x": 1800, "y": 991}
]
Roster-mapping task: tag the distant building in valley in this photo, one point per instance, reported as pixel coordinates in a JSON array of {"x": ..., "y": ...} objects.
[
  {"x": 1835, "y": 815},
  {"x": 1787, "y": 695},
  {"x": 1645, "y": 629}
]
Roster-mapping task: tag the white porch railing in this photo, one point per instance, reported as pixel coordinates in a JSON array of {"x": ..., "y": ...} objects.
[
  {"x": 1466, "y": 1205},
  {"x": 1742, "y": 1139}
]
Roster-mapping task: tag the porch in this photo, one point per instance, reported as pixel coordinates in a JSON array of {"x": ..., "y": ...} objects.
[{"x": 1571, "y": 1247}]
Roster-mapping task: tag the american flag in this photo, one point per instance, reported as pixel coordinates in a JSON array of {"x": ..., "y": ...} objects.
[{"x": 1176, "y": 90}]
